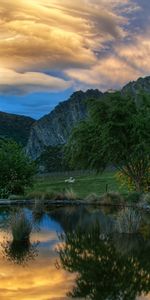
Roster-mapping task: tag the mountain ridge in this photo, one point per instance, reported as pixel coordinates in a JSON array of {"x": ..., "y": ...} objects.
[
  {"x": 54, "y": 128},
  {"x": 15, "y": 127}
]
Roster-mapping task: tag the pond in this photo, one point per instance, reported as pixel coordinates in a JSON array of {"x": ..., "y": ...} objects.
[{"x": 74, "y": 252}]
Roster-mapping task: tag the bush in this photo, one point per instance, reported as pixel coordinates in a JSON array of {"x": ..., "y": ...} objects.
[
  {"x": 134, "y": 197},
  {"x": 4, "y": 192},
  {"x": 16, "y": 170},
  {"x": 112, "y": 198},
  {"x": 92, "y": 198}
]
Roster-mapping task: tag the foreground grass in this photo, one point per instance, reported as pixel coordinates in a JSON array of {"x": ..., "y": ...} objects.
[{"x": 83, "y": 185}]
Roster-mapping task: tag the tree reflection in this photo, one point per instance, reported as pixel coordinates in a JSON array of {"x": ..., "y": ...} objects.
[
  {"x": 106, "y": 270},
  {"x": 20, "y": 252}
]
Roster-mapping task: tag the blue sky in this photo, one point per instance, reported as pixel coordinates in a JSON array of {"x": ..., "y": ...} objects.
[{"x": 50, "y": 48}]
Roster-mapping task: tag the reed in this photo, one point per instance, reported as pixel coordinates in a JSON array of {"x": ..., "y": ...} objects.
[
  {"x": 21, "y": 227},
  {"x": 129, "y": 221}
]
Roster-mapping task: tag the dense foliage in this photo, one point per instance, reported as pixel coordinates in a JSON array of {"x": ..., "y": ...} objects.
[
  {"x": 116, "y": 133},
  {"x": 52, "y": 159},
  {"x": 16, "y": 171}
]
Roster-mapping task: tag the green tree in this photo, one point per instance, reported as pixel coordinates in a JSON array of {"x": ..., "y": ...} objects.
[
  {"x": 16, "y": 171},
  {"x": 117, "y": 133},
  {"x": 52, "y": 159}
]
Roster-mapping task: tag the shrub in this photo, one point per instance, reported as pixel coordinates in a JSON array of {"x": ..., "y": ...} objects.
[
  {"x": 134, "y": 197},
  {"x": 112, "y": 198},
  {"x": 92, "y": 198},
  {"x": 4, "y": 192},
  {"x": 16, "y": 170},
  {"x": 126, "y": 180}
]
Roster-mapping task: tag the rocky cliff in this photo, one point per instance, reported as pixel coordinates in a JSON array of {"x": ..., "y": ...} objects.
[
  {"x": 134, "y": 88},
  {"x": 15, "y": 127},
  {"x": 54, "y": 128}
]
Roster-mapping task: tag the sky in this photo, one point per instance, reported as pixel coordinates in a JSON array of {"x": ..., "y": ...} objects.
[{"x": 51, "y": 48}]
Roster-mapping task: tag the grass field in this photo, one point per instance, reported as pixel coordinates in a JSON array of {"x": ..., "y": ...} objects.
[{"x": 83, "y": 185}]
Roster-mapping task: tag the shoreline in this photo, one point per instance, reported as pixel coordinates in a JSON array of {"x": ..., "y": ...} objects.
[{"x": 7, "y": 202}]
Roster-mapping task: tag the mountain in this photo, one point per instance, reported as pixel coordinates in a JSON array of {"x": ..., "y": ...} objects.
[
  {"x": 134, "y": 88},
  {"x": 54, "y": 128},
  {"x": 15, "y": 127}
]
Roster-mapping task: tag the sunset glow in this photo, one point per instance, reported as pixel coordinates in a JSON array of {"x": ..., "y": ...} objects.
[{"x": 53, "y": 46}]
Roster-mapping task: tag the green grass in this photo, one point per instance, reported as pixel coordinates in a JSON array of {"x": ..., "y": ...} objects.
[{"x": 83, "y": 185}]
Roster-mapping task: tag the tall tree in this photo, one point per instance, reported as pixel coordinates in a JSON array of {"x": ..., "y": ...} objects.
[{"x": 117, "y": 132}]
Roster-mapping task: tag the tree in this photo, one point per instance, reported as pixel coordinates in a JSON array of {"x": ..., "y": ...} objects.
[
  {"x": 116, "y": 133},
  {"x": 52, "y": 159},
  {"x": 16, "y": 171}
]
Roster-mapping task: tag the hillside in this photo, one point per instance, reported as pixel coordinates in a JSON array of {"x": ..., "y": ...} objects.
[
  {"x": 141, "y": 85},
  {"x": 54, "y": 128},
  {"x": 15, "y": 127}
]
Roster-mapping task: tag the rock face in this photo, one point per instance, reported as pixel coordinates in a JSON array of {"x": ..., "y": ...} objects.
[
  {"x": 134, "y": 88},
  {"x": 54, "y": 128},
  {"x": 15, "y": 127}
]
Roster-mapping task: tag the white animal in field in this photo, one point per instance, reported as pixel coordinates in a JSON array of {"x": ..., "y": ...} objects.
[{"x": 70, "y": 180}]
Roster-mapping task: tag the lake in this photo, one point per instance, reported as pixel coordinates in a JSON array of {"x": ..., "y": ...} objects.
[{"x": 74, "y": 252}]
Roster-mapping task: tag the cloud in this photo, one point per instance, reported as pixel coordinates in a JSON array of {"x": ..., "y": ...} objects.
[
  {"x": 57, "y": 34},
  {"x": 40, "y": 279},
  {"x": 12, "y": 82},
  {"x": 136, "y": 54},
  {"x": 91, "y": 43},
  {"x": 110, "y": 72}
]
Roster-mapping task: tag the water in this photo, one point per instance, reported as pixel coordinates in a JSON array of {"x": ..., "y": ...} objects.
[{"x": 74, "y": 252}]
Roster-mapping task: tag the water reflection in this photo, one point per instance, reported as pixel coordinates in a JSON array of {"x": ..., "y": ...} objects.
[
  {"x": 20, "y": 252},
  {"x": 105, "y": 270},
  {"x": 93, "y": 263}
]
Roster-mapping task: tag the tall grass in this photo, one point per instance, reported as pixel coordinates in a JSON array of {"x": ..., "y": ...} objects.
[
  {"x": 112, "y": 198},
  {"x": 70, "y": 194},
  {"x": 21, "y": 227},
  {"x": 128, "y": 221}
]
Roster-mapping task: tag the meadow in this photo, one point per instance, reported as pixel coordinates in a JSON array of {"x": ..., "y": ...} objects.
[{"x": 84, "y": 185}]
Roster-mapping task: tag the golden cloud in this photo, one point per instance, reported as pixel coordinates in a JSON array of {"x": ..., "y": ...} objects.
[
  {"x": 20, "y": 83},
  {"x": 110, "y": 72},
  {"x": 68, "y": 37},
  {"x": 40, "y": 280},
  {"x": 136, "y": 55}
]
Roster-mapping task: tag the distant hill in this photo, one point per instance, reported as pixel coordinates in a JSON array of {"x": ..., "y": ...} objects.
[{"x": 15, "y": 127}]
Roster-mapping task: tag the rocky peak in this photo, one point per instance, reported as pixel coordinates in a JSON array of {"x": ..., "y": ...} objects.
[
  {"x": 135, "y": 87},
  {"x": 54, "y": 128}
]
